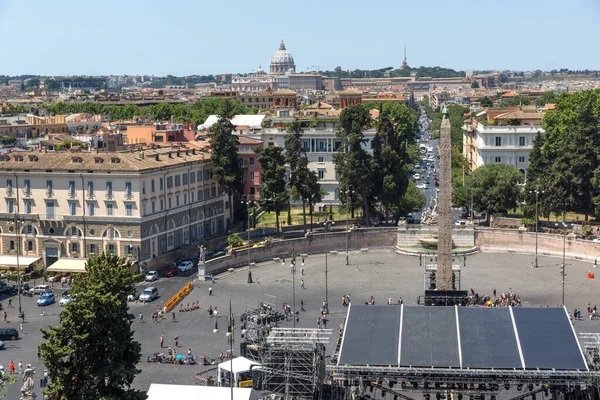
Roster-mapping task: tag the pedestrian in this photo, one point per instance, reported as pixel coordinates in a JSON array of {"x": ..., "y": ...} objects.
[
  {"x": 21, "y": 326},
  {"x": 20, "y": 367},
  {"x": 389, "y": 301},
  {"x": 324, "y": 323},
  {"x": 303, "y": 265},
  {"x": 4, "y": 317},
  {"x": 302, "y": 284},
  {"x": 176, "y": 339},
  {"x": 302, "y": 305},
  {"x": 162, "y": 341},
  {"x": 212, "y": 278},
  {"x": 39, "y": 352},
  {"x": 173, "y": 317},
  {"x": 210, "y": 290},
  {"x": 11, "y": 367},
  {"x": 141, "y": 317},
  {"x": 319, "y": 322},
  {"x": 400, "y": 300},
  {"x": 10, "y": 303},
  {"x": 494, "y": 292}
]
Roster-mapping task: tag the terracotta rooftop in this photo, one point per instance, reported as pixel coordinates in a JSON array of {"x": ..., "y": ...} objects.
[
  {"x": 135, "y": 161},
  {"x": 248, "y": 140},
  {"x": 521, "y": 115}
]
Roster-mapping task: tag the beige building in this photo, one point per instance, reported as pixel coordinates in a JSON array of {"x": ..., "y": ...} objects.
[{"x": 144, "y": 204}]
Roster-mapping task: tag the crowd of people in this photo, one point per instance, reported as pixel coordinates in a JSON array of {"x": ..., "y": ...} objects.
[{"x": 505, "y": 299}]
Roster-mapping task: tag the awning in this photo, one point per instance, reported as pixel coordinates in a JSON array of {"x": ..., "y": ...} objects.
[
  {"x": 196, "y": 392},
  {"x": 13, "y": 262},
  {"x": 71, "y": 265}
]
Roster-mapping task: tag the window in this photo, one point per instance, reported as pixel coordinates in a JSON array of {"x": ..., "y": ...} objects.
[
  {"x": 27, "y": 186},
  {"x": 192, "y": 196},
  {"x": 522, "y": 141},
  {"x": 206, "y": 174},
  {"x": 241, "y": 162},
  {"x": 9, "y": 185},
  {"x": 10, "y": 206},
  {"x": 206, "y": 193},
  {"x": 93, "y": 248},
  {"x": 498, "y": 141},
  {"x": 27, "y": 206},
  {"x": 321, "y": 160},
  {"x": 170, "y": 202},
  {"x": 177, "y": 180},
  {"x": 199, "y": 194},
  {"x": 192, "y": 177},
  {"x": 90, "y": 188},
  {"x": 213, "y": 191},
  {"x": 74, "y": 247},
  {"x": 11, "y": 245},
  {"x": 153, "y": 206},
  {"x": 252, "y": 191},
  {"x": 161, "y": 184},
  {"x": 111, "y": 248},
  {"x": 129, "y": 210},
  {"x": 251, "y": 176},
  {"x": 109, "y": 189},
  {"x": 169, "y": 182},
  {"x": 128, "y": 189},
  {"x": 199, "y": 176},
  {"x": 498, "y": 159},
  {"x": 91, "y": 209},
  {"x": 143, "y": 187},
  {"x": 177, "y": 201},
  {"x": 185, "y": 198},
  {"x": 72, "y": 188},
  {"x": 152, "y": 186},
  {"x": 72, "y": 208},
  {"x": 30, "y": 245},
  {"x": 110, "y": 209},
  {"x": 162, "y": 204},
  {"x": 184, "y": 178},
  {"x": 49, "y": 190},
  {"x": 50, "y": 209},
  {"x": 321, "y": 174},
  {"x": 251, "y": 162},
  {"x": 521, "y": 159}
]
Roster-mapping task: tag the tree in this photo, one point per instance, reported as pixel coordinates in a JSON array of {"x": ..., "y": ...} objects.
[
  {"x": 546, "y": 98},
  {"x": 517, "y": 100},
  {"x": 274, "y": 194},
  {"x": 227, "y": 170},
  {"x": 92, "y": 354},
  {"x": 486, "y": 102},
  {"x": 413, "y": 199},
  {"x": 475, "y": 85},
  {"x": 494, "y": 188},
  {"x": 304, "y": 183},
  {"x": 5, "y": 380},
  {"x": 354, "y": 164}
]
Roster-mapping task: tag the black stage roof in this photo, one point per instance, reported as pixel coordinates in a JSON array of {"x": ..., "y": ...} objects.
[{"x": 460, "y": 337}]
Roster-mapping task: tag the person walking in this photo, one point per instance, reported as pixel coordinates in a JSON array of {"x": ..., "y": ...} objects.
[
  {"x": 176, "y": 339},
  {"x": 21, "y": 326},
  {"x": 4, "y": 317},
  {"x": 11, "y": 367},
  {"x": 210, "y": 290},
  {"x": 141, "y": 317},
  {"x": 20, "y": 367},
  {"x": 162, "y": 341},
  {"x": 10, "y": 303},
  {"x": 39, "y": 352},
  {"x": 173, "y": 317},
  {"x": 302, "y": 305},
  {"x": 302, "y": 284}
]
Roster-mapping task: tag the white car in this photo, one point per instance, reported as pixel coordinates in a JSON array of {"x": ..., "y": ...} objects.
[
  {"x": 597, "y": 240},
  {"x": 65, "y": 300},
  {"x": 151, "y": 276},
  {"x": 185, "y": 266},
  {"x": 417, "y": 177}
]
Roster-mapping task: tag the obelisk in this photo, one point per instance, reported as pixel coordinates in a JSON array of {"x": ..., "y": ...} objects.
[{"x": 444, "y": 208}]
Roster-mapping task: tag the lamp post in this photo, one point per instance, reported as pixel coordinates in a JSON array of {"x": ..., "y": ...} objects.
[
  {"x": 348, "y": 197},
  {"x": 294, "y": 294},
  {"x": 327, "y": 225},
  {"x": 537, "y": 195},
  {"x": 563, "y": 274},
  {"x": 247, "y": 202}
]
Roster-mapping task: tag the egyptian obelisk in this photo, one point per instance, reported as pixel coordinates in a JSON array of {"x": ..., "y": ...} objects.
[{"x": 444, "y": 208}]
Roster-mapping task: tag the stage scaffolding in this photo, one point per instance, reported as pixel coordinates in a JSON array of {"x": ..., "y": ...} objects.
[
  {"x": 293, "y": 362},
  {"x": 429, "y": 263}
]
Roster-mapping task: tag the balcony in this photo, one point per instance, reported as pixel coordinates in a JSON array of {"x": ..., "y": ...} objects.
[
  {"x": 129, "y": 195},
  {"x": 49, "y": 193},
  {"x": 517, "y": 129},
  {"x": 91, "y": 195},
  {"x": 72, "y": 194},
  {"x": 10, "y": 192},
  {"x": 109, "y": 195},
  {"x": 51, "y": 217},
  {"x": 27, "y": 192}
]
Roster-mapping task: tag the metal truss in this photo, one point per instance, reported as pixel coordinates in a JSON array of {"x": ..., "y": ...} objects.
[{"x": 463, "y": 376}]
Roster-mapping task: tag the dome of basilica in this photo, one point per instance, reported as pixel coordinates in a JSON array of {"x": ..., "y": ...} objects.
[{"x": 282, "y": 61}]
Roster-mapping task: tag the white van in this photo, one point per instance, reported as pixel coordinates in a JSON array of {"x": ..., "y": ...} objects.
[{"x": 149, "y": 294}]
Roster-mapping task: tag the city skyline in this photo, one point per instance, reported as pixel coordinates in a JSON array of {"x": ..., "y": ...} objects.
[{"x": 142, "y": 38}]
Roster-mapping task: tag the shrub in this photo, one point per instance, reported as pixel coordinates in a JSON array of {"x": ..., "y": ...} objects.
[
  {"x": 234, "y": 240},
  {"x": 138, "y": 277}
]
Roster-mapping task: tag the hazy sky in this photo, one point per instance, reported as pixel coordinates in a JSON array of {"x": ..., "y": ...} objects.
[{"x": 185, "y": 37}]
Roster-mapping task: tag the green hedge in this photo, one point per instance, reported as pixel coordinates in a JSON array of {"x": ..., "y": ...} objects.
[{"x": 138, "y": 277}]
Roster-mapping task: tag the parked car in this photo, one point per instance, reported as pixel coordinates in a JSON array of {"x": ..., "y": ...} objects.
[
  {"x": 46, "y": 299},
  {"x": 39, "y": 289},
  {"x": 597, "y": 240},
  {"x": 185, "y": 266},
  {"x": 464, "y": 213},
  {"x": 410, "y": 219},
  {"x": 151, "y": 276},
  {"x": 149, "y": 294},
  {"x": 9, "y": 334},
  {"x": 1, "y": 345},
  {"x": 65, "y": 300},
  {"x": 14, "y": 289},
  {"x": 171, "y": 272},
  {"x": 417, "y": 177}
]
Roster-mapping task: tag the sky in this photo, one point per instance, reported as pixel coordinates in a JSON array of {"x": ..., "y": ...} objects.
[{"x": 201, "y": 37}]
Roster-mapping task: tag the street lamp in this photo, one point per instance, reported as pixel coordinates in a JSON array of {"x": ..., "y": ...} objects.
[
  {"x": 327, "y": 225},
  {"x": 230, "y": 341},
  {"x": 537, "y": 195},
  {"x": 247, "y": 202},
  {"x": 348, "y": 197}
]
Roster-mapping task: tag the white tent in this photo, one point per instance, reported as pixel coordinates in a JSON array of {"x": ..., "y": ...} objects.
[
  {"x": 249, "y": 120},
  {"x": 196, "y": 392},
  {"x": 240, "y": 367}
]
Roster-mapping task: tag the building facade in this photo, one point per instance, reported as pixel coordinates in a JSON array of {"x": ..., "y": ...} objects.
[
  {"x": 142, "y": 204},
  {"x": 509, "y": 141},
  {"x": 248, "y": 157}
]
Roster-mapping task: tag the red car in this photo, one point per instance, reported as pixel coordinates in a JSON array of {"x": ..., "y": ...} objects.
[{"x": 171, "y": 272}]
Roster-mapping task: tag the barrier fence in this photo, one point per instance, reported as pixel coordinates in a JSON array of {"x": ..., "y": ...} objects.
[{"x": 173, "y": 301}]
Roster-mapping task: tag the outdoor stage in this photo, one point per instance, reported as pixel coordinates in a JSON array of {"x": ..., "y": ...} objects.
[{"x": 461, "y": 350}]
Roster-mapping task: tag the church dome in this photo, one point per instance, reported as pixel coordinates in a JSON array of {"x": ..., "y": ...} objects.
[{"x": 282, "y": 61}]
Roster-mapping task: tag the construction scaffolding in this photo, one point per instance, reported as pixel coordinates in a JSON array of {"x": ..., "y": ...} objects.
[
  {"x": 429, "y": 263},
  {"x": 293, "y": 363}
]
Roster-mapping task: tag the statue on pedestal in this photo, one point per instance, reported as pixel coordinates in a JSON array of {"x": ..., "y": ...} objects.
[{"x": 27, "y": 388}]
